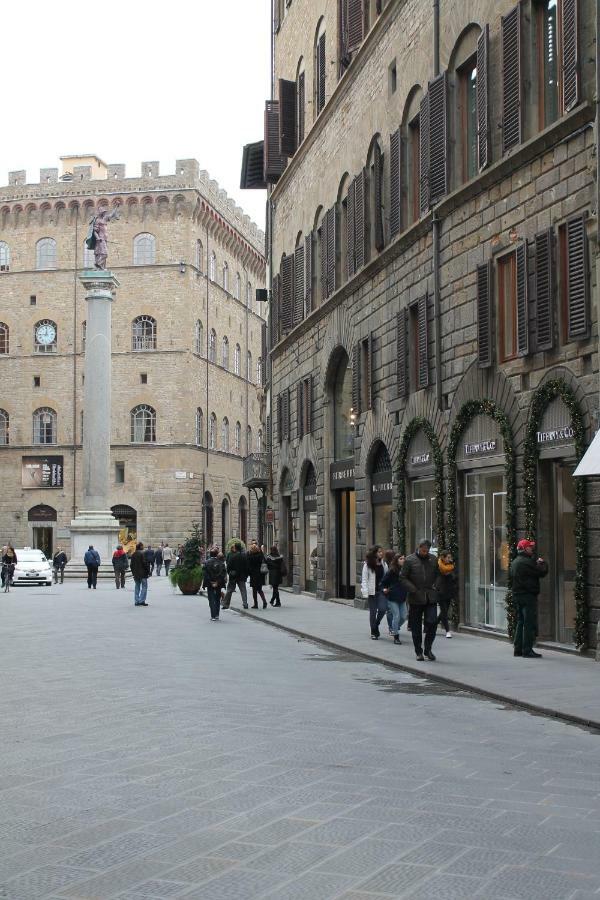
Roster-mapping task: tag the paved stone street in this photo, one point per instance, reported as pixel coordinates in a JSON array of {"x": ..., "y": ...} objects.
[{"x": 148, "y": 753}]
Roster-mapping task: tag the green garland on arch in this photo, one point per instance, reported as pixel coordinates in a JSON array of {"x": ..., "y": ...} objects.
[
  {"x": 541, "y": 398},
  {"x": 467, "y": 412},
  {"x": 411, "y": 429}
]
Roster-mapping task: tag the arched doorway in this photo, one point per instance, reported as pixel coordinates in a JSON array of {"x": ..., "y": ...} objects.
[
  {"x": 127, "y": 518},
  {"x": 341, "y": 478},
  {"x": 286, "y": 524},
  {"x": 381, "y": 497},
  {"x": 243, "y": 519},
  {"x": 208, "y": 519},
  {"x": 309, "y": 505},
  {"x": 42, "y": 522},
  {"x": 225, "y": 522}
]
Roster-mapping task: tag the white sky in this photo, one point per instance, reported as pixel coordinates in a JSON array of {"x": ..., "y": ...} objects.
[{"x": 133, "y": 81}]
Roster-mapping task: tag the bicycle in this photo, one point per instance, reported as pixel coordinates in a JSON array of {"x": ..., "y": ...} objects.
[{"x": 7, "y": 576}]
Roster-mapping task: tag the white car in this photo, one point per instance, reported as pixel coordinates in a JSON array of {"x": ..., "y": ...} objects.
[{"x": 32, "y": 567}]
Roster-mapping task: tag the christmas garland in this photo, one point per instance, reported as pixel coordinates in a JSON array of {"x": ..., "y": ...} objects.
[
  {"x": 412, "y": 428},
  {"x": 542, "y": 397},
  {"x": 471, "y": 409}
]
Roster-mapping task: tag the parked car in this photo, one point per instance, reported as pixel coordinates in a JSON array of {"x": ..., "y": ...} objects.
[{"x": 32, "y": 567}]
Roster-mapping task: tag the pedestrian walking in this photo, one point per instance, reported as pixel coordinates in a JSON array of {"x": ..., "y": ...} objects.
[
  {"x": 237, "y": 572},
  {"x": 395, "y": 593},
  {"x": 526, "y": 573},
  {"x": 370, "y": 585},
  {"x": 149, "y": 557},
  {"x": 215, "y": 577},
  {"x": 167, "y": 555},
  {"x": 258, "y": 570},
  {"x": 419, "y": 574},
  {"x": 277, "y": 570},
  {"x": 91, "y": 559},
  {"x": 140, "y": 569},
  {"x": 158, "y": 559},
  {"x": 59, "y": 561},
  {"x": 445, "y": 585},
  {"x": 120, "y": 565}
]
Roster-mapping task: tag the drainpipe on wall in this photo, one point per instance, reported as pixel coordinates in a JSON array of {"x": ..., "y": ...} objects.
[
  {"x": 75, "y": 367},
  {"x": 436, "y": 232}
]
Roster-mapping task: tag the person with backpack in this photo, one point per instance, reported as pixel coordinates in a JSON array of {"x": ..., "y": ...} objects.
[
  {"x": 237, "y": 571},
  {"x": 395, "y": 592},
  {"x": 277, "y": 571},
  {"x": 120, "y": 566},
  {"x": 91, "y": 558},
  {"x": 214, "y": 580}
]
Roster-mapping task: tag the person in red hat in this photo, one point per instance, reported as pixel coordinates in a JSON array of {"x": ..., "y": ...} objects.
[{"x": 526, "y": 573}]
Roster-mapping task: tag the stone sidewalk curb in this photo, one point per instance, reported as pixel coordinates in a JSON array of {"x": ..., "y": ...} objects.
[{"x": 432, "y": 676}]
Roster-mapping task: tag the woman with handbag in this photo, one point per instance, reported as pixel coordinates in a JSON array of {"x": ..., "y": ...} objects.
[
  {"x": 257, "y": 569},
  {"x": 372, "y": 576}
]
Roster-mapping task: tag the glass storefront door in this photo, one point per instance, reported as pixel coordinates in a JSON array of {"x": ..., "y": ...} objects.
[
  {"x": 346, "y": 543},
  {"x": 422, "y": 518},
  {"x": 567, "y": 553},
  {"x": 556, "y": 544},
  {"x": 486, "y": 551},
  {"x": 383, "y": 525},
  {"x": 310, "y": 551},
  {"x": 43, "y": 540}
]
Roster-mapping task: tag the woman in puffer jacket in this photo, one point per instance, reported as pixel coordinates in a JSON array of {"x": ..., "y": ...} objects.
[{"x": 445, "y": 585}]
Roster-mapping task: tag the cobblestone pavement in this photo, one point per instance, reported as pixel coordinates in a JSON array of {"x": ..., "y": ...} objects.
[{"x": 149, "y": 753}]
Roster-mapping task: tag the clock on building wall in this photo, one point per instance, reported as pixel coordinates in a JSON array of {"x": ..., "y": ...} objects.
[{"x": 45, "y": 333}]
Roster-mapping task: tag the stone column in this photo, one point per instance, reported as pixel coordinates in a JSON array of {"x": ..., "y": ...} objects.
[{"x": 95, "y": 524}]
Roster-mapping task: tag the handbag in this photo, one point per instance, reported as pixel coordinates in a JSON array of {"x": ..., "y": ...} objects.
[{"x": 264, "y": 569}]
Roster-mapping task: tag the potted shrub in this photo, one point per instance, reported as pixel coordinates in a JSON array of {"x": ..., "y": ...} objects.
[
  {"x": 231, "y": 542},
  {"x": 187, "y": 574}
]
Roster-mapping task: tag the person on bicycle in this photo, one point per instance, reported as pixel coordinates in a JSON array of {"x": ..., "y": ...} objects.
[{"x": 9, "y": 561}]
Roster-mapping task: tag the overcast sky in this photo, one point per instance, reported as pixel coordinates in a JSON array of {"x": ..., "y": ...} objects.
[{"x": 132, "y": 81}]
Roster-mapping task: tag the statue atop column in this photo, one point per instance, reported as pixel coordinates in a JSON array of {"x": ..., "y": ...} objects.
[{"x": 97, "y": 239}]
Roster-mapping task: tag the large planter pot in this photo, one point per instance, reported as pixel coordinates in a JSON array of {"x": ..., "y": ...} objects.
[{"x": 189, "y": 587}]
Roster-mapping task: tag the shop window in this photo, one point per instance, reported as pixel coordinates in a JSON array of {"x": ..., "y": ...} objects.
[
  {"x": 44, "y": 426},
  {"x": 4, "y": 427},
  {"x": 507, "y": 307},
  {"x": 4, "y": 338},
  {"x": 143, "y": 424},
  {"x": 144, "y": 250}
]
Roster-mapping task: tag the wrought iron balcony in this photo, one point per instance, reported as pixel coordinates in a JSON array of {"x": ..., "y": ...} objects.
[{"x": 257, "y": 470}]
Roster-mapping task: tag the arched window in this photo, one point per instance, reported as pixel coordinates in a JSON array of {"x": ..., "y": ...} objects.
[
  {"x": 259, "y": 368},
  {"x": 249, "y": 367},
  {"x": 199, "y": 257},
  {"x": 410, "y": 162},
  {"x": 320, "y": 69},
  {"x": 374, "y": 229},
  {"x": 225, "y": 277},
  {"x": 4, "y": 424},
  {"x": 199, "y": 427},
  {"x": 143, "y": 424},
  {"x": 249, "y": 440},
  {"x": 44, "y": 426},
  {"x": 212, "y": 274},
  {"x": 225, "y": 435},
  {"x": 89, "y": 259},
  {"x": 143, "y": 333},
  {"x": 462, "y": 78},
  {"x": 4, "y": 256},
  {"x": 212, "y": 346},
  {"x": 238, "y": 285},
  {"x": 225, "y": 352},
  {"x": 238, "y": 437},
  {"x": 199, "y": 338},
  {"x": 259, "y": 441},
  {"x": 4, "y": 338},
  {"x": 45, "y": 336},
  {"x": 144, "y": 249},
  {"x": 343, "y": 414},
  {"x": 237, "y": 354},
  {"x": 212, "y": 432},
  {"x": 45, "y": 254}
]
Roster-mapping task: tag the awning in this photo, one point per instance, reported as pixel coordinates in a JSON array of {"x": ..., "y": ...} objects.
[{"x": 590, "y": 464}]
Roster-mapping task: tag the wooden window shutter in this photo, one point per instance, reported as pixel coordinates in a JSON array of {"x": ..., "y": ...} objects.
[
  {"x": 264, "y": 354},
  {"x": 355, "y": 20},
  {"x": 280, "y": 418},
  {"x": 511, "y": 79},
  {"x": 423, "y": 343},
  {"x": 308, "y": 258},
  {"x": 356, "y": 380},
  {"x": 301, "y": 105},
  {"x": 287, "y": 117},
  {"x": 299, "y": 285},
  {"x": 483, "y": 134},
  {"x": 331, "y": 250},
  {"x": 269, "y": 435},
  {"x": 308, "y": 402},
  {"x": 402, "y": 352},
  {"x": 359, "y": 221},
  {"x": 300, "y": 409},
  {"x": 577, "y": 279},
  {"x": 323, "y": 242},
  {"x": 424, "y": 155},
  {"x": 369, "y": 373},
  {"x": 438, "y": 139},
  {"x": 253, "y": 167},
  {"x": 350, "y": 208},
  {"x": 287, "y": 294},
  {"x": 378, "y": 195},
  {"x": 395, "y": 187},
  {"x": 274, "y": 161},
  {"x": 544, "y": 289},
  {"x": 570, "y": 54},
  {"x": 275, "y": 304},
  {"x": 522, "y": 301},
  {"x": 484, "y": 315},
  {"x": 321, "y": 57},
  {"x": 286, "y": 415}
]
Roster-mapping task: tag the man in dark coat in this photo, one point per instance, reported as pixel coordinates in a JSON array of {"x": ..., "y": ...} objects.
[
  {"x": 214, "y": 580},
  {"x": 418, "y": 576},
  {"x": 59, "y": 562},
  {"x": 158, "y": 559},
  {"x": 149, "y": 557},
  {"x": 91, "y": 559},
  {"x": 237, "y": 570},
  {"x": 120, "y": 565},
  {"x": 526, "y": 573},
  {"x": 140, "y": 569}
]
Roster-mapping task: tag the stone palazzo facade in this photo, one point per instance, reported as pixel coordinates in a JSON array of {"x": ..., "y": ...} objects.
[
  {"x": 434, "y": 321},
  {"x": 187, "y": 351}
]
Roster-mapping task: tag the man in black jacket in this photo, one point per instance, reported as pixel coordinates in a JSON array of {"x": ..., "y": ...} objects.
[
  {"x": 237, "y": 570},
  {"x": 214, "y": 580},
  {"x": 418, "y": 576},
  {"x": 526, "y": 573},
  {"x": 140, "y": 569},
  {"x": 58, "y": 564}
]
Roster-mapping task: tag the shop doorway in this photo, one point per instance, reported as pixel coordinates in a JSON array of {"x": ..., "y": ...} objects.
[
  {"x": 346, "y": 543},
  {"x": 309, "y": 500},
  {"x": 43, "y": 540},
  {"x": 556, "y": 543},
  {"x": 286, "y": 526},
  {"x": 486, "y": 554},
  {"x": 42, "y": 521}
]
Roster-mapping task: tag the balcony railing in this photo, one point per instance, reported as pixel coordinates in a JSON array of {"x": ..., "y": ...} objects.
[{"x": 257, "y": 470}]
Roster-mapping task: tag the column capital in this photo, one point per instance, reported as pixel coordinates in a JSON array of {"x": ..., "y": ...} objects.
[{"x": 99, "y": 283}]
